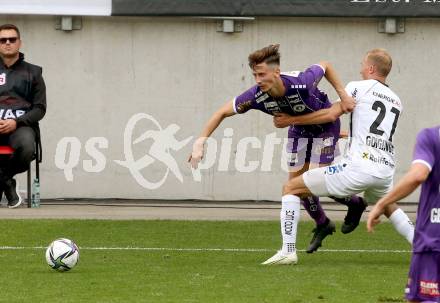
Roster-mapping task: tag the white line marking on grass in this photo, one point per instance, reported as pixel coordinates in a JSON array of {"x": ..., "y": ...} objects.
[{"x": 211, "y": 249}]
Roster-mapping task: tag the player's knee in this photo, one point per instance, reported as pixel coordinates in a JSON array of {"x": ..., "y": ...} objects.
[
  {"x": 288, "y": 188},
  {"x": 291, "y": 188}
]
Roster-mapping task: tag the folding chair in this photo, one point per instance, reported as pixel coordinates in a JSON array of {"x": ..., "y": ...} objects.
[{"x": 8, "y": 151}]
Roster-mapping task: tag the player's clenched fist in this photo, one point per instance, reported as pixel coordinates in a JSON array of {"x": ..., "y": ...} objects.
[{"x": 347, "y": 104}]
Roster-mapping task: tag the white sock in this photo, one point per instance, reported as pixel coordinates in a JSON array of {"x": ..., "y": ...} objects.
[
  {"x": 403, "y": 224},
  {"x": 289, "y": 218}
]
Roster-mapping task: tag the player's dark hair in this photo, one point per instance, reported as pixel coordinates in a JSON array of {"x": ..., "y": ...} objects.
[
  {"x": 380, "y": 58},
  {"x": 268, "y": 55},
  {"x": 10, "y": 26}
]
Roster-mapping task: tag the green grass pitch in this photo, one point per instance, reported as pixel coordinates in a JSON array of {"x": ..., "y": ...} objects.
[{"x": 105, "y": 275}]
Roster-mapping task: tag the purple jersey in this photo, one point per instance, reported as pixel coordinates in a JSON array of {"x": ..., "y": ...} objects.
[
  {"x": 302, "y": 97},
  {"x": 427, "y": 231}
]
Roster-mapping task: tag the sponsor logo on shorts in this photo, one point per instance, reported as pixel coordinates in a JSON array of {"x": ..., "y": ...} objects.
[
  {"x": 378, "y": 160},
  {"x": 429, "y": 288},
  {"x": 335, "y": 169}
]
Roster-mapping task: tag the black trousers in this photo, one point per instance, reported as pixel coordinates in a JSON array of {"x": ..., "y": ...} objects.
[{"x": 22, "y": 140}]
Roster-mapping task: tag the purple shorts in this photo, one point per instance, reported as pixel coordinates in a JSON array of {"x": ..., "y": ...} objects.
[
  {"x": 424, "y": 277},
  {"x": 318, "y": 147}
]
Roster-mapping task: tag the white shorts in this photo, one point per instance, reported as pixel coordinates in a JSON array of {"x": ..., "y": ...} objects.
[{"x": 344, "y": 180}]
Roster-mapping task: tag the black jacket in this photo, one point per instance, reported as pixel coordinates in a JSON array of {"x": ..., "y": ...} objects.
[{"x": 22, "y": 93}]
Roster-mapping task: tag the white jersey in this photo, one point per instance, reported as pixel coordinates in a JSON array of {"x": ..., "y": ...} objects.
[{"x": 372, "y": 126}]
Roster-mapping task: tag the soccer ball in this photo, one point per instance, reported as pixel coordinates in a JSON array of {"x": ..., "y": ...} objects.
[{"x": 62, "y": 254}]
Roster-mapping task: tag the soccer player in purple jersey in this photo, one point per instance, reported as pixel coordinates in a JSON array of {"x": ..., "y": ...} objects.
[
  {"x": 424, "y": 272},
  {"x": 293, "y": 94}
]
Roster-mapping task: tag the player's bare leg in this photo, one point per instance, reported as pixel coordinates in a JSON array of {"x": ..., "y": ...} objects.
[
  {"x": 324, "y": 226},
  {"x": 311, "y": 204}
]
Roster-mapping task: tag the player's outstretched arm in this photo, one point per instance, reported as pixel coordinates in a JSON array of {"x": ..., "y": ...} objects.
[
  {"x": 347, "y": 102},
  {"x": 223, "y": 112},
  {"x": 416, "y": 175},
  {"x": 319, "y": 117}
]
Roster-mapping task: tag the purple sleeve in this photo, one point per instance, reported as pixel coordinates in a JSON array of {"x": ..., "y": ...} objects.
[
  {"x": 424, "y": 149},
  {"x": 245, "y": 101},
  {"x": 311, "y": 76}
]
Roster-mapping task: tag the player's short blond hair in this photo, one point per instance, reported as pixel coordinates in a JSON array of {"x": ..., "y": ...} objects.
[{"x": 380, "y": 58}]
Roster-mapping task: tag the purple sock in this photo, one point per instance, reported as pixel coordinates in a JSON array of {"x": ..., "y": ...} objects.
[
  {"x": 349, "y": 200},
  {"x": 313, "y": 207}
]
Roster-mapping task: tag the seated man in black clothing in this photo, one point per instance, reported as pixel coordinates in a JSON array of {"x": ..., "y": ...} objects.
[{"x": 22, "y": 105}]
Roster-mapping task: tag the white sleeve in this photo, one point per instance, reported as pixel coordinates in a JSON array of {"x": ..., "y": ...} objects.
[
  {"x": 429, "y": 166},
  {"x": 234, "y": 107},
  {"x": 351, "y": 89},
  {"x": 322, "y": 67}
]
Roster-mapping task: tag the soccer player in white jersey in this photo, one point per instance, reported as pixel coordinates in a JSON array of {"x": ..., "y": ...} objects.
[
  {"x": 368, "y": 163},
  {"x": 424, "y": 274}
]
